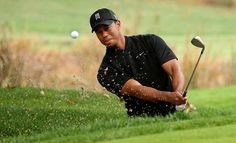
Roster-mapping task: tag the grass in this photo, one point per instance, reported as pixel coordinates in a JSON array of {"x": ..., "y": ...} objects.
[
  {"x": 204, "y": 135},
  {"x": 60, "y": 17},
  {"x": 85, "y": 116},
  {"x": 52, "y": 21},
  {"x": 47, "y": 24}
]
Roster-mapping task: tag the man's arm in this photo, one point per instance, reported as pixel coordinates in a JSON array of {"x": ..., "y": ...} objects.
[
  {"x": 173, "y": 69},
  {"x": 134, "y": 88}
]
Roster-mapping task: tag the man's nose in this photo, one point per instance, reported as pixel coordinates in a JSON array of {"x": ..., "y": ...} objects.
[{"x": 104, "y": 33}]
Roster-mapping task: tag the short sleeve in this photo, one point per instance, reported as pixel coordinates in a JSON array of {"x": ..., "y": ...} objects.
[
  {"x": 112, "y": 79},
  {"x": 161, "y": 50}
]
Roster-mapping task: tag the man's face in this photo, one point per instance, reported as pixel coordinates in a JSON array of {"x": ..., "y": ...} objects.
[{"x": 108, "y": 35}]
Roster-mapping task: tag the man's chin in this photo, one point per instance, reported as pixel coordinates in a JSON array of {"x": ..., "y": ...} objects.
[{"x": 109, "y": 45}]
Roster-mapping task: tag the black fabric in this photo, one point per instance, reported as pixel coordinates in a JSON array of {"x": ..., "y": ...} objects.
[
  {"x": 141, "y": 60},
  {"x": 137, "y": 107}
]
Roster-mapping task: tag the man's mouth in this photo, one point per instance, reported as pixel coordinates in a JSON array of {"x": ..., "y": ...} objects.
[{"x": 107, "y": 40}]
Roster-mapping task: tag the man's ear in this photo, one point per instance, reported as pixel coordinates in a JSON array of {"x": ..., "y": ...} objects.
[{"x": 118, "y": 24}]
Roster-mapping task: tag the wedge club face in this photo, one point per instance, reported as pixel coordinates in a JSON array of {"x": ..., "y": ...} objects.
[{"x": 197, "y": 41}]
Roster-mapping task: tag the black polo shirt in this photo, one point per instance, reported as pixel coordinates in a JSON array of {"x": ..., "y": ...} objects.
[{"x": 140, "y": 60}]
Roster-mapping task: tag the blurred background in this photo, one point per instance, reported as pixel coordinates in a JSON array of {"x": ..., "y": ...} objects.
[{"x": 36, "y": 48}]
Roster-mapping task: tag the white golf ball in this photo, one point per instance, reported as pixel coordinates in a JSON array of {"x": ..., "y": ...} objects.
[
  {"x": 42, "y": 93},
  {"x": 74, "y": 34}
]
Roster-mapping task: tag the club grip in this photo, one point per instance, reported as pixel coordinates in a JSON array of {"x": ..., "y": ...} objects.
[{"x": 185, "y": 94}]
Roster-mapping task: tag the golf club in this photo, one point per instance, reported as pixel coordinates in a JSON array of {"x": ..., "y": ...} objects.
[{"x": 196, "y": 41}]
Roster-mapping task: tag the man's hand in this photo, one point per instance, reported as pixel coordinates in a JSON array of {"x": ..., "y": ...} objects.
[{"x": 176, "y": 98}]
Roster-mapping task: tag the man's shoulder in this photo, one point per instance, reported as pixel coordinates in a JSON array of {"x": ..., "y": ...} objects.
[
  {"x": 140, "y": 36},
  {"x": 144, "y": 37}
]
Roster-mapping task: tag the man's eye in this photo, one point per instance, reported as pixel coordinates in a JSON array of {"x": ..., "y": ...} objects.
[
  {"x": 107, "y": 28},
  {"x": 97, "y": 31}
]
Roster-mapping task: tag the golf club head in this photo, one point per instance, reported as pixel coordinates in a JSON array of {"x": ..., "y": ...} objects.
[{"x": 197, "y": 41}]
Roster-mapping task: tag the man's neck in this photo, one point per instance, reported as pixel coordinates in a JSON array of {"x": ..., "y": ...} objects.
[{"x": 121, "y": 42}]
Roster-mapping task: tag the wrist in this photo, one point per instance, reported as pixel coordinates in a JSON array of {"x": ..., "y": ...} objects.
[
  {"x": 166, "y": 96},
  {"x": 169, "y": 95}
]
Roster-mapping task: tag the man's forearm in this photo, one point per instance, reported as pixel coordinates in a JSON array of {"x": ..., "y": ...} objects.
[
  {"x": 178, "y": 81},
  {"x": 173, "y": 68},
  {"x": 146, "y": 93},
  {"x": 134, "y": 88}
]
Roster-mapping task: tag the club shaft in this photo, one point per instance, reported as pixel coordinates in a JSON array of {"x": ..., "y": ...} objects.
[{"x": 186, "y": 89}]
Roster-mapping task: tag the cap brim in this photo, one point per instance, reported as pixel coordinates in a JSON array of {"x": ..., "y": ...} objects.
[{"x": 106, "y": 22}]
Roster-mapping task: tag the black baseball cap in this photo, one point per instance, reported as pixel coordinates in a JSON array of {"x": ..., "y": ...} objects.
[{"x": 103, "y": 16}]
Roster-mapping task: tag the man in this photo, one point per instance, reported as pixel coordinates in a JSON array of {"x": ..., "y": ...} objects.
[{"x": 141, "y": 70}]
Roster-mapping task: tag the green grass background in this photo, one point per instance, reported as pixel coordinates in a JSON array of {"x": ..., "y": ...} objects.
[
  {"x": 204, "y": 135},
  {"x": 59, "y": 17},
  {"x": 85, "y": 116},
  {"x": 175, "y": 21}
]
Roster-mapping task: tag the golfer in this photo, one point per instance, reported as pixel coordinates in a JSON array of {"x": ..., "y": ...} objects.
[{"x": 141, "y": 70}]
